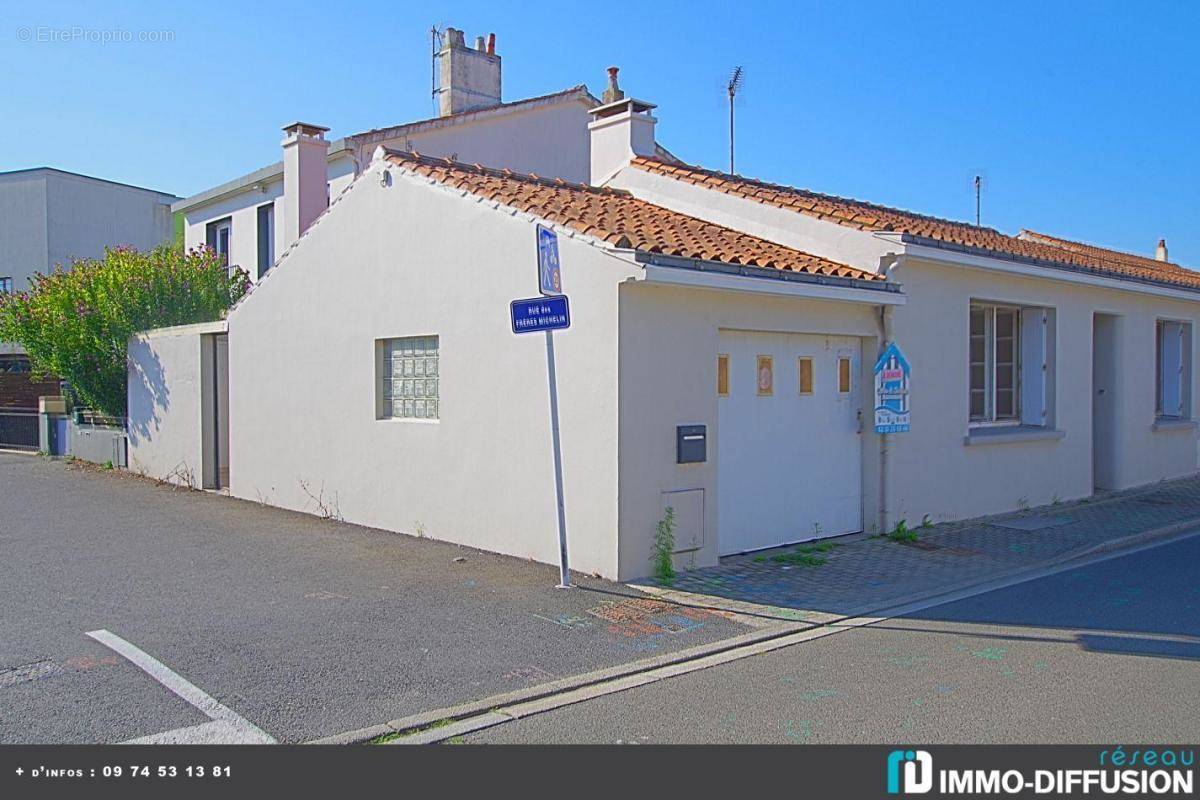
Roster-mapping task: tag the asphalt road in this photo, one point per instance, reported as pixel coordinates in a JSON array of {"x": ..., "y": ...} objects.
[
  {"x": 1101, "y": 654},
  {"x": 301, "y": 626}
]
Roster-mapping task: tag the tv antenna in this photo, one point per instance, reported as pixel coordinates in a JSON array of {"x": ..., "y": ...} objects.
[
  {"x": 436, "y": 32},
  {"x": 979, "y": 182},
  {"x": 735, "y": 84}
]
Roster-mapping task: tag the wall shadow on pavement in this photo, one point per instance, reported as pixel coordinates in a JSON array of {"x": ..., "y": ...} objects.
[{"x": 1145, "y": 603}]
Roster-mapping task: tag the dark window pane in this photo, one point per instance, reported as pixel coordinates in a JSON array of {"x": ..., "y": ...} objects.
[
  {"x": 1005, "y": 322},
  {"x": 1004, "y": 404},
  {"x": 977, "y": 405},
  {"x": 977, "y": 378},
  {"x": 978, "y": 321}
]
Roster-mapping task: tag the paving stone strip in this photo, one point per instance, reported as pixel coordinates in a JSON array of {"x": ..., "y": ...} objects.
[{"x": 864, "y": 571}]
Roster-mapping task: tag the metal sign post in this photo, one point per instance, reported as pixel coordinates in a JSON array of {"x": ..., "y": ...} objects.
[
  {"x": 549, "y": 313},
  {"x": 564, "y": 574}
]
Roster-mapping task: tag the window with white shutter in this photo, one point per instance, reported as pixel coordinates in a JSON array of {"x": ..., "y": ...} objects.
[
  {"x": 1173, "y": 342},
  {"x": 1011, "y": 365}
]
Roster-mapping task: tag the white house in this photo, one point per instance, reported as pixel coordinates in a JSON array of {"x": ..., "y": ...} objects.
[
  {"x": 373, "y": 374},
  {"x": 544, "y": 135}
]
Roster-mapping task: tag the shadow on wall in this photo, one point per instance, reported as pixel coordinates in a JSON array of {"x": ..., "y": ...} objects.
[{"x": 149, "y": 397}]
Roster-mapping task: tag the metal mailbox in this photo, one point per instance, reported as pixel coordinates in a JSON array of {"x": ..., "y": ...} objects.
[{"x": 691, "y": 444}]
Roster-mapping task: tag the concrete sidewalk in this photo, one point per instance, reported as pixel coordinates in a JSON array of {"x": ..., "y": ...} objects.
[{"x": 856, "y": 574}]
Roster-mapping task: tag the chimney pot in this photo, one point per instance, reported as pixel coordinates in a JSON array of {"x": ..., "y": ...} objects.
[
  {"x": 1160, "y": 252},
  {"x": 613, "y": 92},
  {"x": 491, "y": 44}
]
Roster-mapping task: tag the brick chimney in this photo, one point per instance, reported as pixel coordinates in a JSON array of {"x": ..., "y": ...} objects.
[
  {"x": 1160, "y": 252},
  {"x": 305, "y": 178},
  {"x": 620, "y": 129},
  {"x": 467, "y": 78}
]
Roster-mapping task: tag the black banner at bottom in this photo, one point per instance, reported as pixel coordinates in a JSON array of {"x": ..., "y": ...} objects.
[{"x": 31, "y": 771}]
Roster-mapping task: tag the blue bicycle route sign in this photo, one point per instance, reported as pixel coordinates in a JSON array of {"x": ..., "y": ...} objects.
[{"x": 549, "y": 268}]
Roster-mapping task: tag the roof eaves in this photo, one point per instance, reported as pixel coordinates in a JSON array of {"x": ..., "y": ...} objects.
[
  {"x": 1079, "y": 269},
  {"x": 795, "y": 276},
  {"x": 337, "y": 148}
]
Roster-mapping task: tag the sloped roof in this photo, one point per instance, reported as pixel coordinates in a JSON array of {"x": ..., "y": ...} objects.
[
  {"x": 1107, "y": 255},
  {"x": 872, "y": 217},
  {"x": 617, "y": 217}
]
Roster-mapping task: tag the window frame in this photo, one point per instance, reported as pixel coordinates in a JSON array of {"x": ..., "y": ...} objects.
[
  {"x": 722, "y": 375},
  {"x": 848, "y": 363},
  {"x": 801, "y": 363},
  {"x": 991, "y": 366},
  {"x": 769, "y": 361},
  {"x": 1182, "y": 369},
  {"x": 6, "y": 284},
  {"x": 212, "y": 237},
  {"x": 386, "y": 396},
  {"x": 265, "y": 253}
]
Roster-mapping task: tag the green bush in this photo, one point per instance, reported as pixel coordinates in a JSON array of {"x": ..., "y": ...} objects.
[{"x": 76, "y": 322}]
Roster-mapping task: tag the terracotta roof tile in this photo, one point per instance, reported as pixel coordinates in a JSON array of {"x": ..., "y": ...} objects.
[
  {"x": 869, "y": 216},
  {"x": 619, "y": 218}
]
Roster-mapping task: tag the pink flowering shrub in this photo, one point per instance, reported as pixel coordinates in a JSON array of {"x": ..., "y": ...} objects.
[{"x": 75, "y": 322}]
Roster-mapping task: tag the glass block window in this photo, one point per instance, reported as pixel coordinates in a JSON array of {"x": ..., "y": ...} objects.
[{"x": 410, "y": 378}]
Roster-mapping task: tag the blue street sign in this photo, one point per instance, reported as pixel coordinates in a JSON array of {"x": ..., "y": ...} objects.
[
  {"x": 540, "y": 314},
  {"x": 549, "y": 270}
]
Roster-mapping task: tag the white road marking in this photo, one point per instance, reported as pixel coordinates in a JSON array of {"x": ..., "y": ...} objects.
[{"x": 227, "y": 727}]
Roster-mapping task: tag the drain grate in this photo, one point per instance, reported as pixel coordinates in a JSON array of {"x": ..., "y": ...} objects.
[{"x": 28, "y": 672}]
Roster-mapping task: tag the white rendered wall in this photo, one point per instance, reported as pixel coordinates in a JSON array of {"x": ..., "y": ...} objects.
[
  {"x": 166, "y": 380},
  {"x": 933, "y": 472},
  {"x": 416, "y": 259},
  {"x": 668, "y": 377}
]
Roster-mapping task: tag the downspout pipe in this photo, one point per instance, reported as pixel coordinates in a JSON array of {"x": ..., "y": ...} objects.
[{"x": 886, "y": 336}]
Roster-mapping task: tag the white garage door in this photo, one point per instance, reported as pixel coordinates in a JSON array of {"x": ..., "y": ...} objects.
[{"x": 789, "y": 455}]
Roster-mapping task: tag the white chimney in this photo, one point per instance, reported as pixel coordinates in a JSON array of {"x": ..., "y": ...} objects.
[
  {"x": 305, "y": 178},
  {"x": 467, "y": 78},
  {"x": 620, "y": 129},
  {"x": 1160, "y": 252}
]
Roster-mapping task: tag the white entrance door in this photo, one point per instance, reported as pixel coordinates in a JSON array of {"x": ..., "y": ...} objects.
[{"x": 789, "y": 455}]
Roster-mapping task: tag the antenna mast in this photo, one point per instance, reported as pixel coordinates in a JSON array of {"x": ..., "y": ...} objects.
[
  {"x": 978, "y": 194},
  {"x": 435, "y": 45},
  {"x": 735, "y": 83}
]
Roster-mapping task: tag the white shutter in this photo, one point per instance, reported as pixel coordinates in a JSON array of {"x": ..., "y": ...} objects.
[
  {"x": 1172, "y": 369},
  {"x": 1034, "y": 350}
]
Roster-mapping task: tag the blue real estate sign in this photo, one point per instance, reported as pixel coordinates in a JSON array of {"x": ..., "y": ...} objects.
[
  {"x": 540, "y": 314},
  {"x": 891, "y": 391},
  {"x": 549, "y": 269}
]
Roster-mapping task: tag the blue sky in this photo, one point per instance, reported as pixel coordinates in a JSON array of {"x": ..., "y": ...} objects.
[{"x": 1082, "y": 117}]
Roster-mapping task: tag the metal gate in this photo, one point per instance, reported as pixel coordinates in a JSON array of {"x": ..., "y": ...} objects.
[{"x": 18, "y": 429}]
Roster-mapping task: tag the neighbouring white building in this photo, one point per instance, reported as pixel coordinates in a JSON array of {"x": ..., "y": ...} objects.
[
  {"x": 543, "y": 135},
  {"x": 373, "y": 375}
]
